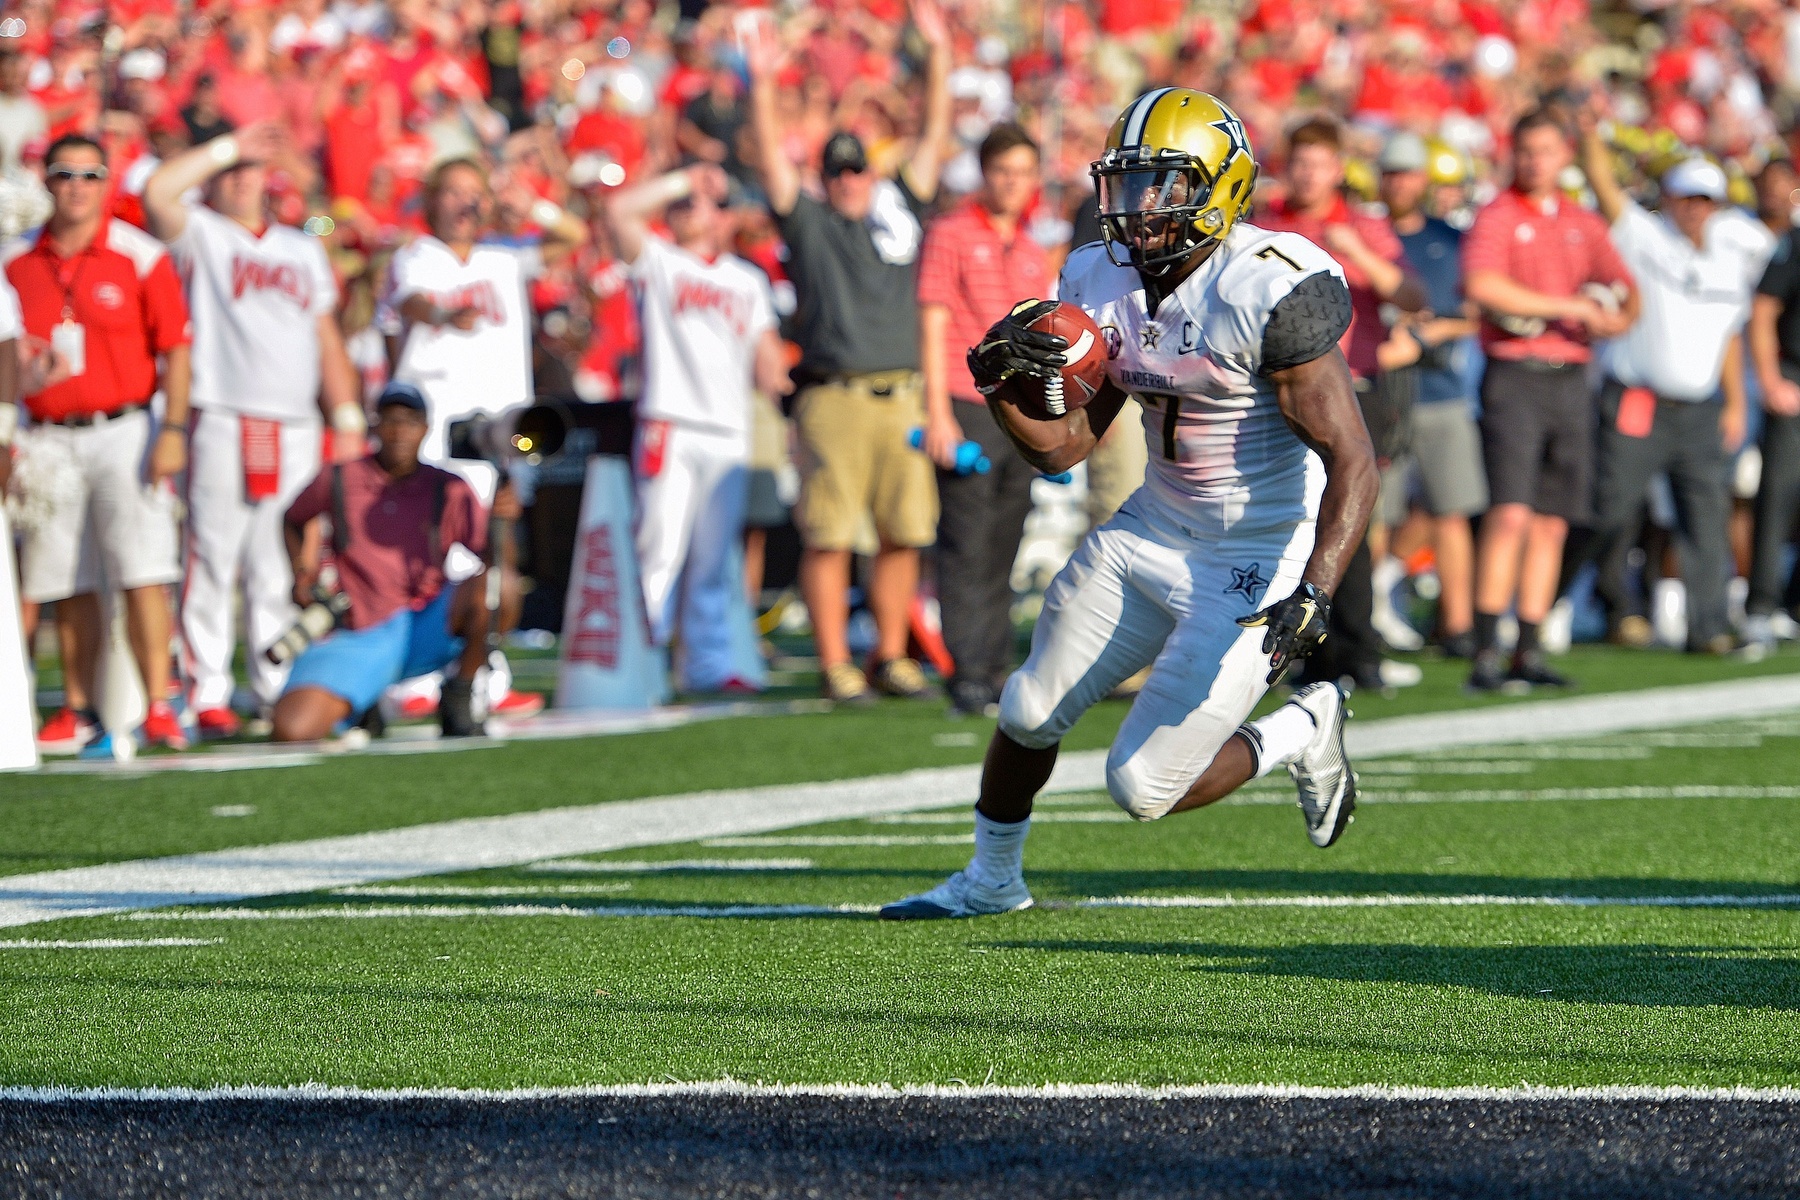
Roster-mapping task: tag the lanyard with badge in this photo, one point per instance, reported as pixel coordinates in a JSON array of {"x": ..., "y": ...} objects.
[{"x": 68, "y": 339}]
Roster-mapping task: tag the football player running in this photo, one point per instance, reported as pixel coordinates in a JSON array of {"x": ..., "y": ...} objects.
[{"x": 1218, "y": 572}]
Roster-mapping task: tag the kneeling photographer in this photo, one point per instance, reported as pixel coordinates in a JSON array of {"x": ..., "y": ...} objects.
[{"x": 407, "y": 543}]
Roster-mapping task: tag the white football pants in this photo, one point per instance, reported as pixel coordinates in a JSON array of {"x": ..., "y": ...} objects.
[
  {"x": 1143, "y": 590},
  {"x": 230, "y": 542},
  {"x": 690, "y": 513}
]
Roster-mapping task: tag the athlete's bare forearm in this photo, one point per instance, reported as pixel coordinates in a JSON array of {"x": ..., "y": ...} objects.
[
  {"x": 1319, "y": 403},
  {"x": 1056, "y": 445}
]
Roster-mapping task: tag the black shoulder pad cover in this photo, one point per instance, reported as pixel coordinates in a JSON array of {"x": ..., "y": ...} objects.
[{"x": 1307, "y": 323}]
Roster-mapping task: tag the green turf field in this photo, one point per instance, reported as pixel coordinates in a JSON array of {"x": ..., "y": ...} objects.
[{"x": 1210, "y": 947}]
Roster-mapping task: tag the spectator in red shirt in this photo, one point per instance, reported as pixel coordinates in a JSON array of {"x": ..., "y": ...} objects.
[
  {"x": 1365, "y": 246},
  {"x": 977, "y": 262},
  {"x": 100, "y": 303},
  {"x": 1530, "y": 261}
]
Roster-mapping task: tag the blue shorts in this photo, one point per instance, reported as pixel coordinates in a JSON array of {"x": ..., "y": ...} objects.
[{"x": 359, "y": 664}]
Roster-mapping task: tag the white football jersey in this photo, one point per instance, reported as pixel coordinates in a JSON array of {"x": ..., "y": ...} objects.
[
  {"x": 255, "y": 302},
  {"x": 486, "y": 369},
  {"x": 1217, "y": 441},
  {"x": 701, "y": 324}
]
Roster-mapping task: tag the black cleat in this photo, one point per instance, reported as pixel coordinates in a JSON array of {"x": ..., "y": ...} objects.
[
  {"x": 456, "y": 709},
  {"x": 1531, "y": 670},
  {"x": 1488, "y": 674},
  {"x": 1458, "y": 645},
  {"x": 973, "y": 698}
]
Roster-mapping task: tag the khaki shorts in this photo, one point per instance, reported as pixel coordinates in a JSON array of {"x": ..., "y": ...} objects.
[
  {"x": 107, "y": 527},
  {"x": 855, "y": 463}
]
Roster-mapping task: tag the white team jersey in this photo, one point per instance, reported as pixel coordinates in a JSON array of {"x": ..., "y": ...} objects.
[
  {"x": 486, "y": 369},
  {"x": 255, "y": 303},
  {"x": 1217, "y": 441},
  {"x": 701, "y": 324}
]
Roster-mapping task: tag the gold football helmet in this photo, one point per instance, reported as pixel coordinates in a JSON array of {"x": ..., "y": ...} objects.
[{"x": 1176, "y": 176}]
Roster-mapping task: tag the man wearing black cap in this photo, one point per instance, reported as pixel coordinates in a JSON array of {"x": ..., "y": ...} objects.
[
  {"x": 854, "y": 263},
  {"x": 406, "y": 544}
]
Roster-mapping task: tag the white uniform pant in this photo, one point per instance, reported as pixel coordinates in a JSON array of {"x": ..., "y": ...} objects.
[
  {"x": 690, "y": 515},
  {"x": 232, "y": 544},
  {"x": 1141, "y": 590}
]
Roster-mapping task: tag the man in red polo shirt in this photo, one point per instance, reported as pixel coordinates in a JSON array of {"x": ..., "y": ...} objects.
[
  {"x": 101, "y": 302},
  {"x": 1549, "y": 282},
  {"x": 977, "y": 262},
  {"x": 1366, "y": 246},
  {"x": 1363, "y": 244}
]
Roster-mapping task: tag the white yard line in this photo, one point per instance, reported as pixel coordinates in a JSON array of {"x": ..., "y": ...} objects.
[
  {"x": 314, "y": 1092},
  {"x": 404, "y": 892},
  {"x": 109, "y": 943},
  {"x": 1696, "y": 791},
  {"x": 577, "y": 866},
  {"x": 1786, "y": 900},
  {"x": 487, "y": 842},
  {"x": 847, "y": 839},
  {"x": 399, "y": 911},
  {"x": 1387, "y": 900}
]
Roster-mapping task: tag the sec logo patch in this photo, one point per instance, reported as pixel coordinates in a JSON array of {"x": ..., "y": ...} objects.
[
  {"x": 1114, "y": 342},
  {"x": 109, "y": 295}
]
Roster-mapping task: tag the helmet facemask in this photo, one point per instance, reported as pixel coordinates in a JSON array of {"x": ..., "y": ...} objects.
[{"x": 1154, "y": 206}]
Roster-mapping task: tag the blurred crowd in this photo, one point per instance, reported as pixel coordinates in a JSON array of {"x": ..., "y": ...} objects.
[{"x": 566, "y": 106}]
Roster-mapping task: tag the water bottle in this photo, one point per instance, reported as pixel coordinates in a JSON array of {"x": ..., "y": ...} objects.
[{"x": 970, "y": 460}]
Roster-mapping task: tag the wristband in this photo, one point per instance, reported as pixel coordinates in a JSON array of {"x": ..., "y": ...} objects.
[
  {"x": 9, "y": 423},
  {"x": 545, "y": 213},
  {"x": 224, "y": 150},
  {"x": 348, "y": 419}
]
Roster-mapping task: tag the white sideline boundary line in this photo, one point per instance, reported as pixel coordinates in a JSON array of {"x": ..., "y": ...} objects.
[
  {"x": 313, "y": 1092},
  {"x": 513, "y": 840}
]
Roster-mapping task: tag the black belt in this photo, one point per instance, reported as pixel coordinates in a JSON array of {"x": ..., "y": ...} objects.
[
  {"x": 1542, "y": 366},
  {"x": 83, "y": 420},
  {"x": 885, "y": 387}
]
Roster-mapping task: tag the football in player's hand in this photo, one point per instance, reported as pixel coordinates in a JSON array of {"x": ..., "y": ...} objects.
[{"x": 1084, "y": 367}]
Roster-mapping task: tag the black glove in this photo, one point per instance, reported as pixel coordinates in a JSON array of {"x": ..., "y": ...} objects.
[
  {"x": 1296, "y": 626},
  {"x": 1010, "y": 348}
]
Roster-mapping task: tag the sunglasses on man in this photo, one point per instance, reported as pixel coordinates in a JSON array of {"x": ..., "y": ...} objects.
[{"x": 89, "y": 174}]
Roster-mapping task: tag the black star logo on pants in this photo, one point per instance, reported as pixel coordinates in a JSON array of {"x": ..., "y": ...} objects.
[{"x": 1248, "y": 583}]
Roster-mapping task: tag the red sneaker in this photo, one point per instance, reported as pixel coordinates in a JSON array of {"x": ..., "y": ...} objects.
[
  {"x": 736, "y": 686},
  {"x": 217, "y": 723},
  {"x": 417, "y": 708},
  {"x": 516, "y": 706},
  {"x": 161, "y": 728},
  {"x": 66, "y": 733}
]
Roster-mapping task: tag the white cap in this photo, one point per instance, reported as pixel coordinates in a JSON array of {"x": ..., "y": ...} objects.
[
  {"x": 1693, "y": 177},
  {"x": 142, "y": 64}
]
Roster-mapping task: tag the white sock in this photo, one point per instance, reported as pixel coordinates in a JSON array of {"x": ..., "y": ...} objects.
[
  {"x": 1278, "y": 739},
  {"x": 999, "y": 850}
]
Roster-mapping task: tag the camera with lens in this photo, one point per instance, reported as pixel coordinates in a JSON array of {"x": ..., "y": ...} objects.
[
  {"x": 318, "y": 618},
  {"x": 532, "y": 434}
]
